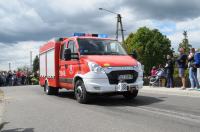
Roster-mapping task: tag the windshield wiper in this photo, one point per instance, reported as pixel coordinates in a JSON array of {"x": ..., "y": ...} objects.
[
  {"x": 111, "y": 53},
  {"x": 93, "y": 53}
]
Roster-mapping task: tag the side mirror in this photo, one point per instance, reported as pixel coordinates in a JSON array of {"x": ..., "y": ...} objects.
[{"x": 67, "y": 54}]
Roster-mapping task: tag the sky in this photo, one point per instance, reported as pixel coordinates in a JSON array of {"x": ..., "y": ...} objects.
[{"x": 27, "y": 24}]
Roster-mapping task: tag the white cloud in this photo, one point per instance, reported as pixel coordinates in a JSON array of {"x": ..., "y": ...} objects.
[
  {"x": 192, "y": 26},
  {"x": 18, "y": 54},
  {"x": 194, "y": 38}
]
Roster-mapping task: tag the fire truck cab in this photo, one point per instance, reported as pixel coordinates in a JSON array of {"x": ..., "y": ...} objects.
[{"x": 89, "y": 64}]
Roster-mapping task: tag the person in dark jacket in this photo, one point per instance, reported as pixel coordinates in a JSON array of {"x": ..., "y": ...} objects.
[
  {"x": 170, "y": 71},
  {"x": 192, "y": 70},
  {"x": 182, "y": 65}
]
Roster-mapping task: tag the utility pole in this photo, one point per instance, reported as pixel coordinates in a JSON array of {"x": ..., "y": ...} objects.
[
  {"x": 31, "y": 60},
  {"x": 119, "y": 24},
  {"x": 119, "y": 27},
  {"x": 9, "y": 66}
]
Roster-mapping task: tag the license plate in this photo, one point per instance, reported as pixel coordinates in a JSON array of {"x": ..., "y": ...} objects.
[
  {"x": 122, "y": 87},
  {"x": 125, "y": 77}
]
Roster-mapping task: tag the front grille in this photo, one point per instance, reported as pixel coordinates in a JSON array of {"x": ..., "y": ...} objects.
[{"x": 113, "y": 76}]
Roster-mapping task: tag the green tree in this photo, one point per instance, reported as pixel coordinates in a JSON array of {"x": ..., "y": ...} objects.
[
  {"x": 151, "y": 46},
  {"x": 36, "y": 64},
  {"x": 185, "y": 43}
]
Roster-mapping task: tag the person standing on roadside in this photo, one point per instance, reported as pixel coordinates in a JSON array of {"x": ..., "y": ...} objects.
[
  {"x": 153, "y": 71},
  {"x": 192, "y": 70},
  {"x": 182, "y": 59},
  {"x": 9, "y": 78},
  {"x": 170, "y": 71}
]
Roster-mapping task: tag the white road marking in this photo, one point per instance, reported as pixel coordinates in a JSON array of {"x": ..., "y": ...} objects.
[{"x": 164, "y": 112}]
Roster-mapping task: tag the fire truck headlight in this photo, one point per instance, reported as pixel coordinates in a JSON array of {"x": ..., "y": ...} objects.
[{"x": 95, "y": 67}]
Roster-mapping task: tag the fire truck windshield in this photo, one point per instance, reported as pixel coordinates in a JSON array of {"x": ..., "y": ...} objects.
[{"x": 89, "y": 46}]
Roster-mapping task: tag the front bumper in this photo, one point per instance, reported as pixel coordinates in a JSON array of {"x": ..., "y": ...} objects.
[
  {"x": 103, "y": 86},
  {"x": 99, "y": 82}
]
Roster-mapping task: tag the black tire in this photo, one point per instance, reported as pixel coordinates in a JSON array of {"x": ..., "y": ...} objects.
[
  {"x": 55, "y": 91},
  {"x": 130, "y": 95},
  {"x": 50, "y": 90},
  {"x": 80, "y": 92}
]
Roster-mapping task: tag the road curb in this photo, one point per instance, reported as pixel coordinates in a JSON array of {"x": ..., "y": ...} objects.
[{"x": 170, "y": 91}]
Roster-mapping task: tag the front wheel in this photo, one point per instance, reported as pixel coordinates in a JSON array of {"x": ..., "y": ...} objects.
[
  {"x": 130, "y": 94},
  {"x": 80, "y": 92},
  {"x": 50, "y": 90}
]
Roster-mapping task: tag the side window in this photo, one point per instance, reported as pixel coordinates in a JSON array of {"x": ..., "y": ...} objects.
[
  {"x": 62, "y": 50},
  {"x": 114, "y": 47},
  {"x": 72, "y": 46}
]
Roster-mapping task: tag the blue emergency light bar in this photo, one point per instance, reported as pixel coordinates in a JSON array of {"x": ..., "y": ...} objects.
[
  {"x": 103, "y": 35},
  {"x": 79, "y": 34},
  {"x": 91, "y": 35}
]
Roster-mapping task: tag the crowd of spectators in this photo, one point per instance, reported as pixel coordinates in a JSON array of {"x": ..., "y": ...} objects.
[
  {"x": 183, "y": 62},
  {"x": 15, "y": 78}
]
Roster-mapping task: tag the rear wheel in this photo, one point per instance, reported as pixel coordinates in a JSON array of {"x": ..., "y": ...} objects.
[
  {"x": 50, "y": 90},
  {"x": 130, "y": 94},
  {"x": 80, "y": 92}
]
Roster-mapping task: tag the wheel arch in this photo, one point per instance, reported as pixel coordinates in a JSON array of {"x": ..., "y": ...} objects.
[{"x": 76, "y": 78}]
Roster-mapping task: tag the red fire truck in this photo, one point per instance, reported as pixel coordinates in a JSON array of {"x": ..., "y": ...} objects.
[{"x": 89, "y": 64}]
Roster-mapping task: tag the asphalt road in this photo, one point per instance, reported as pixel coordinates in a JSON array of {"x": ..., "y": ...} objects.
[{"x": 28, "y": 109}]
